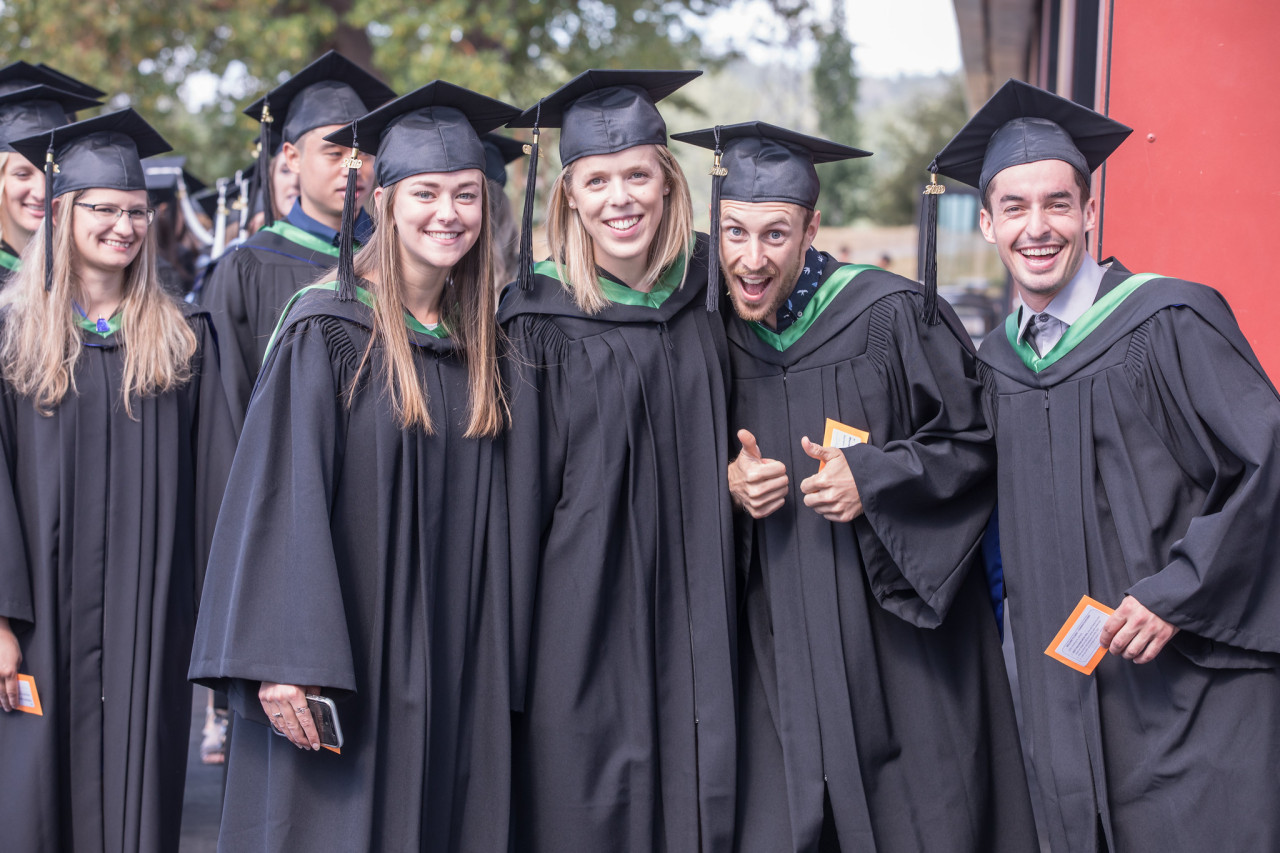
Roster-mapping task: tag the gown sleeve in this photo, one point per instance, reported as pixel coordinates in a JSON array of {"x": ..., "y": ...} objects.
[
  {"x": 535, "y": 455},
  {"x": 213, "y": 441},
  {"x": 1220, "y": 581},
  {"x": 15, "y": 578},
  {"x": 272, "y": 608},
  {"x": 928, "y": 493},
  {"x": 229, "y": 294}
]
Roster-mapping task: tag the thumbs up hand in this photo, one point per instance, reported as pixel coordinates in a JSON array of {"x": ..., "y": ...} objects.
[
  {"x": 758, "y": 485},
  {"x": 831, "y": 492}
]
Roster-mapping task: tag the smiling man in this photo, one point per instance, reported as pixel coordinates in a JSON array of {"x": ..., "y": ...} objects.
[
  {"x": 1137, "y": 439},
  {"x": 874, "y": 708},
  {"x": 248, "y": 289}
]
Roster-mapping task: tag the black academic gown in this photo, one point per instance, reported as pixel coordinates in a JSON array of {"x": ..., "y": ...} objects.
[
  {"x": 106, "y": 522},
  {"x": 1143, "y": 461},
  {"x": 246, "y": 293},
  {"x": 355, "y": 556},
  {"x": 622, "y": 569},
  {"x": 874, "y": 661}
]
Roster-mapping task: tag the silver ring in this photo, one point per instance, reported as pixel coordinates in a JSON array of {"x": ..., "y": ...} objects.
[
  {"x": 300, "y": 710},
  {"x": 277, "y": 715}
]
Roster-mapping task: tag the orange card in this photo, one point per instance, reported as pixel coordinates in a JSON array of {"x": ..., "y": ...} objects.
[
  {"x": 28, "y": 696},
  {"x": 842, "y": 435},
  {"x": 1077, "y": 644}
]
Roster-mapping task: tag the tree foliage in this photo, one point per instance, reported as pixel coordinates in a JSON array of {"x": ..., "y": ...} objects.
[
  {"x": 161, "y": 57},
  {"x": 910, "y": 139},
  {"x": 835, "y": 86}
]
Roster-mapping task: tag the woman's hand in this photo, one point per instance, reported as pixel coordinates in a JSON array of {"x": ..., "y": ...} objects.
[
  {"x": 286, "y": 708},
  {"x": 10, "y": 662}
]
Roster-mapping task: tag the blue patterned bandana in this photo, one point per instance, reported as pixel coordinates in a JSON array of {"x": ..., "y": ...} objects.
[{"x": 806, "y": 287}]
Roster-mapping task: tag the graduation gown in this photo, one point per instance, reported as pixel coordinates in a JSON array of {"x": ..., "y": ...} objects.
[
  {"x": 106, "y": 523},
  {"x": 874, "y": 676},
  {"x": 369, "y": 574},
  {"x": 246, "y": 293},
  {"x": 622, "y": 571},
  {"x": 1139, "y": 457}
]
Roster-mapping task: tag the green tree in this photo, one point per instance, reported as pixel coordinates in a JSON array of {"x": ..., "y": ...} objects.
[
  {"x": 159, "y": 56},
  {"x": 910, "y": 139},
  {"x": 835, "y": 87}
]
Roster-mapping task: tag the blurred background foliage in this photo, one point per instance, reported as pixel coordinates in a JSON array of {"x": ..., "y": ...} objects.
[{"x": 190, "y": 66}]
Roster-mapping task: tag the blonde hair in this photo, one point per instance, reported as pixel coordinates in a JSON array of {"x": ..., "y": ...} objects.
[
  {"x": 41, "y": 341},
  {"x": 467, "y": 310},
  {"x": 4, "y": 161},
  {"x": 573, "y": 251}
]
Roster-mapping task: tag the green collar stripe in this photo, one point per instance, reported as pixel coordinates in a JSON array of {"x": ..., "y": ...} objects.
[
  {"x": 1080, "y": 329},
  {"x": 666, "y": 285},
  {"x": 305, "y": 239},
  {"x": 827, "y": 292},
  {"x": 8, "y": 261},
  {"x": 364, "y": 296},
  {"x": 113, "y": 325}
]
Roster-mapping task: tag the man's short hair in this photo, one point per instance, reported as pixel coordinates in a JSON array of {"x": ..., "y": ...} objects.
[{"x": 1082, "y": 183}]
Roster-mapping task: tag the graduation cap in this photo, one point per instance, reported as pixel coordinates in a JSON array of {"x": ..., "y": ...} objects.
[
  {"x": 1019, "y": 124},
  {"x": 499, "y": 151},
  {"x": 758, "y": 162},
  {"x": 71, "y": 84},
  {"x": 36, "y": 109},
  {"x": 105, "y": 151},
  {"x": 332, "y": 90},
  {"x": 432, "y": 129},
  {"x": 166, "y": 175},
  {"x": 598, "y": 112}
]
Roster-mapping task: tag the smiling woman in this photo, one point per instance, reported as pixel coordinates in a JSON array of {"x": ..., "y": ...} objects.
[
  {"x": 115, "y": 442},
  {"x": 378, "y": 579}
]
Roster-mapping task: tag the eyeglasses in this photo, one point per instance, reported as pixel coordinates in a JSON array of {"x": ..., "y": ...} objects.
[{"x": 111, "y": 213}]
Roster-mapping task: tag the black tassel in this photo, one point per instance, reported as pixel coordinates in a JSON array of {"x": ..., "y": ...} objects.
[
  {"x": 718, "y": 173},
  {"x": 929, "y": 254},
  {"x": 347, "y": 236},
  {"x": 48, "y": 216},
  {"x": 525, "y": 276},
  {"x": 263, "y": 177}
]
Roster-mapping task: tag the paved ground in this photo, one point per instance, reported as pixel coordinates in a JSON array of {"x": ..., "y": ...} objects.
[{"x": 202, "y": 803}]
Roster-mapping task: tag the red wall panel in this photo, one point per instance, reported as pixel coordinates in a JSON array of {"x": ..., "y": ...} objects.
[{"x": 1195, "y": 191}]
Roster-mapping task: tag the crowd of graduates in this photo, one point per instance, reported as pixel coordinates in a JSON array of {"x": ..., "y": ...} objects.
[{"x": 488, "y": 552}]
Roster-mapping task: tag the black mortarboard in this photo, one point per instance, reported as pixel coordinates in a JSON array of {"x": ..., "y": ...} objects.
[
  {"x": 164, "y": 174},
  {"x": 1023, "y": 124},
  {"x": 499, "y": 151},
  {"x": 21, "y": 75},
  {"x": 1019, "y": 124},
  {"x": 71, "y": 84},
  {"x": 760, "y": 162},
  {"x": 105, "y": 151},
  {"x": 332, "y": 90},
  {"x": 36, "y": 109},
  {"x": 432, "y": 129},
  {"x": 598, "y": 112}
]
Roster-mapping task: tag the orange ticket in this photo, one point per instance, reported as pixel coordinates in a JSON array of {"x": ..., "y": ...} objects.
[
  {"x": 842, "y": 435},
  {"x": 28, "y": 696},
  {"x": 1077, "y": 644}
]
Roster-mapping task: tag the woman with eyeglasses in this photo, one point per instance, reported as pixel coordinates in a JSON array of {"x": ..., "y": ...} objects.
[{"x": 115, "y": 441}]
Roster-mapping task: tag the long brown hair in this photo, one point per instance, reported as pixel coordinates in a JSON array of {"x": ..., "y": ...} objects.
[
  {"x": 41, "y": 341},
  {"x": 467, "y": 310},
  {"x": 573, "y": 251}
]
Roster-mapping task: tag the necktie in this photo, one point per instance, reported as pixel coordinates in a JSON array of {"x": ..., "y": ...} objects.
[{"x": 1044, "y": 331}]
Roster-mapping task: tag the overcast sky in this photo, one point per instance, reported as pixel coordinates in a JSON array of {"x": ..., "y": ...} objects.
[{"x": 891, "y": 37}]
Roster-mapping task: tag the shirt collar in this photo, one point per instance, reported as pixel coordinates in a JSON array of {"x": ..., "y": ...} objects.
[
  {"x": 363, "y": 225},
  {"x": 1073, "y": 300}
]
